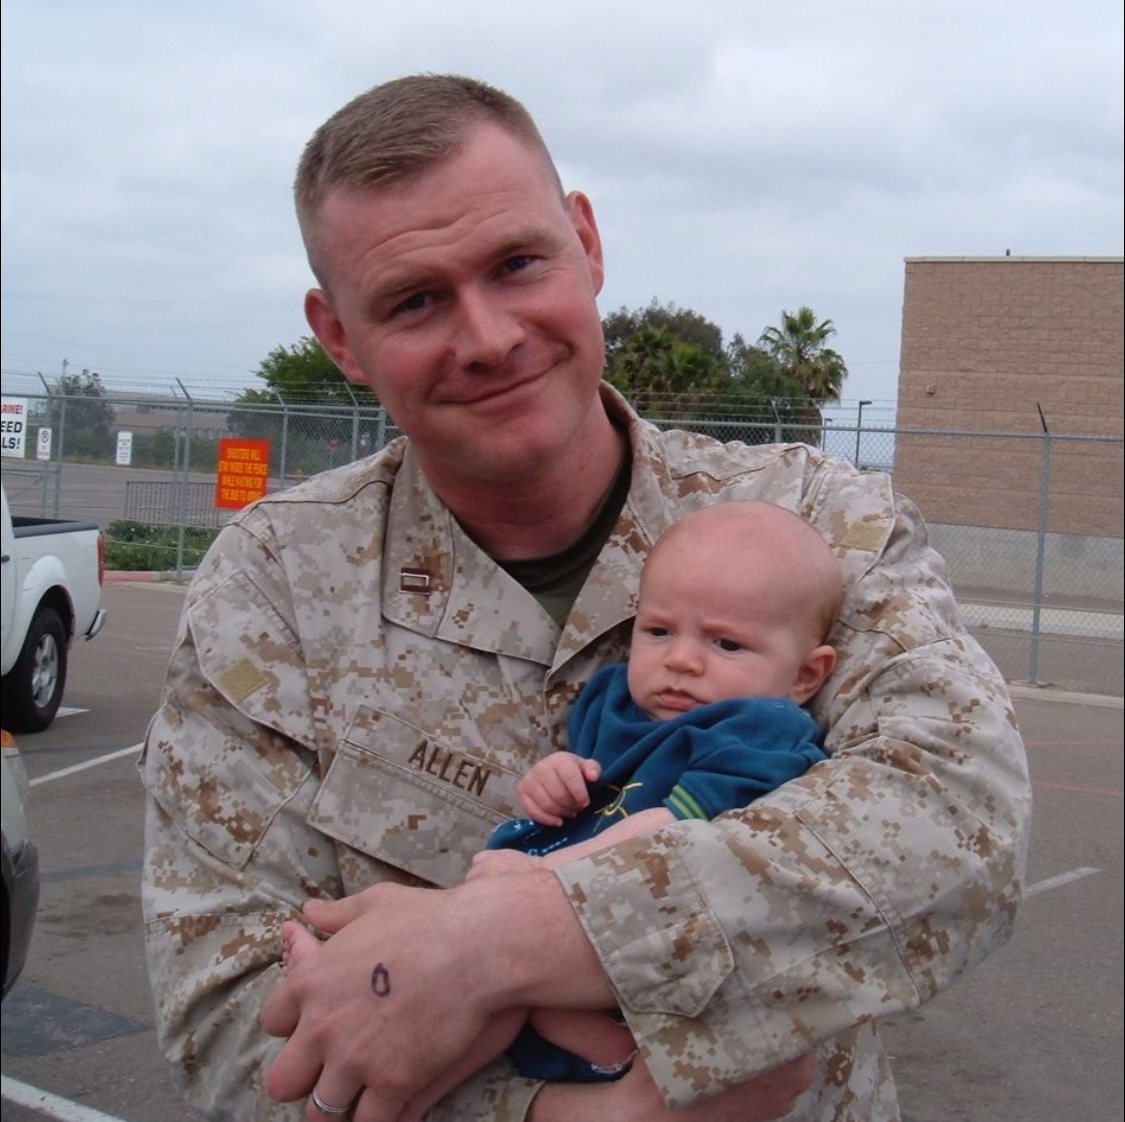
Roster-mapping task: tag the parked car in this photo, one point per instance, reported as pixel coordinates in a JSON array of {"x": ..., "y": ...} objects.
[
  {"x": 52, "y": 574},
  {"x": 20, "y": 866}
]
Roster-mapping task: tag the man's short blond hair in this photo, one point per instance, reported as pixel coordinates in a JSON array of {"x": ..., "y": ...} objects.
[{"x": 398, "y": 130}]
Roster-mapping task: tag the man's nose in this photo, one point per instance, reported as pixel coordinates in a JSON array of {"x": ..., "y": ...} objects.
[{"x": 486, "y": 333}]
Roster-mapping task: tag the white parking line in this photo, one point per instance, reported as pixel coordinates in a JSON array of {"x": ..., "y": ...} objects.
[
  {"x": 1057, "y": 882},
  {"x": 23, "y": 1094},
  {"x": 134, "y": 748}
]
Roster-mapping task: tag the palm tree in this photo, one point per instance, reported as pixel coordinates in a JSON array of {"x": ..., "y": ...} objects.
[
  {"x": 798, "y": 348},
  {"x": 658, "y": 371}
]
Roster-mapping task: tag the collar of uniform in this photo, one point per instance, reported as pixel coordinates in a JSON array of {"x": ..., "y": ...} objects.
[
  {"x": 438, "y": 582},
  {"x": 609, "y": 596}
]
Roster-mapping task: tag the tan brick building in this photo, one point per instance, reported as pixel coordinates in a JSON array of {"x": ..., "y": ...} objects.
[{"x": 986, "y": 343}]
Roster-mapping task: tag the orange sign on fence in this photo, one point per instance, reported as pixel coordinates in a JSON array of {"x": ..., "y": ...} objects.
[{"x": 243, "y": 472}]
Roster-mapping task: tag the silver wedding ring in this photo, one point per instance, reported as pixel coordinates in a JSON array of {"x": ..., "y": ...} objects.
[{"x": 324, "y": 1108}]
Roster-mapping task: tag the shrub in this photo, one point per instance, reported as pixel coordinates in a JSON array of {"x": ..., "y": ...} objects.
[{"x": 139, "y": 546}]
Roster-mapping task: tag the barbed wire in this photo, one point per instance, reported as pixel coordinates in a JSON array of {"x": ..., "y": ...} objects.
[{"x": 336, "y": 395}]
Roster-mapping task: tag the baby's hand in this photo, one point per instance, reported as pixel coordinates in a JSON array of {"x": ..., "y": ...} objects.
[
  {"x": 501, "y": 862},
  {"x": 555, "y": 788}
]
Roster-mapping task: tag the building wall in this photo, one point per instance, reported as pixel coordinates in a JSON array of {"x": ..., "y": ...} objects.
[{"x": 986, "y": 343}]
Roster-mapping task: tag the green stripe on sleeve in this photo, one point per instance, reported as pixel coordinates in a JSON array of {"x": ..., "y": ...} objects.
[{"x": 684, "y": 805}]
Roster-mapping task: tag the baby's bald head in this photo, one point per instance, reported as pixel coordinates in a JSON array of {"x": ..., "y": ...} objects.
[{"x": 778, "y": 547}]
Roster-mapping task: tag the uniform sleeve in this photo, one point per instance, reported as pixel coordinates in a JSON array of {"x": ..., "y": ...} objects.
[
  {"x": 856, "y": 891},
  {"x": 230, "y": 767},
  {"x": 228, "y": 856}
]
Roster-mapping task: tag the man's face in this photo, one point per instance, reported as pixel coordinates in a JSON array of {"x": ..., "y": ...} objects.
[
  {"x": 709, "y": 629},
  {"x": 465, "y": 299}
]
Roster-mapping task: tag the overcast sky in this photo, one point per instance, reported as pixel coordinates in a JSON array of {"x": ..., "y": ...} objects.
[{"x": 742, "y": 158}]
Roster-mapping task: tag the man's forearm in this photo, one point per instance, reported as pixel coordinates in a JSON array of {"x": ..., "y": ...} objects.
[
  {"x": 506, "y": 914},
  {"x": 625, "y": 828},
  {"x": 509, "y": 915}
]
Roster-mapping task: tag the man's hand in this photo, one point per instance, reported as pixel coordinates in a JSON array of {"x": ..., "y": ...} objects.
[
  {"x": 555, "y": 788},
  {"x": 409, "y": 980},
  {"x": 501, "y": 863},
  {"x": 382, "y": 1008},
  {"x": 634, "y": 1098}
]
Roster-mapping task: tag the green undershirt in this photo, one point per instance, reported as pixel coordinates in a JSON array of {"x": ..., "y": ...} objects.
[{"x": 555, "y": 581}]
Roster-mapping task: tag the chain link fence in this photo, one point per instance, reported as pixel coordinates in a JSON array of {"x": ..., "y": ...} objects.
[{"x": 1030, "y": 524}]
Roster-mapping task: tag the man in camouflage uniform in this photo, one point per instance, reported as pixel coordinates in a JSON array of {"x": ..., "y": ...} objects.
[{"x": 362, "y": 674}]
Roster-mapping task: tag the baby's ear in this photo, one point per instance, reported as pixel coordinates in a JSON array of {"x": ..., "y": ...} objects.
[{"x": 818, "y": 664}]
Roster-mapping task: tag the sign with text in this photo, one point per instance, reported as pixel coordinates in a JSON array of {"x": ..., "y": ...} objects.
[
  {"x": 43, "y": 445},
  {"x": 243, "y": 472},
  {"x": 124, "y": 449},
  {"x": 13, "y": 426}
]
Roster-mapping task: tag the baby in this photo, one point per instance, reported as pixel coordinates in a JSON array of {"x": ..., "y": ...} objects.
[{"x": 736, "y": 602}]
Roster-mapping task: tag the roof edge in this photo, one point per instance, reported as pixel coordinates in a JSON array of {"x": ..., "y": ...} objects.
[{"x": 1006, "y": 257}]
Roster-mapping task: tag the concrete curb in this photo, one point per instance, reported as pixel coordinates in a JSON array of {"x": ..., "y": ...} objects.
[
  {"x": 1049, "y": 693},
  {"x": 151, "y": 576}
]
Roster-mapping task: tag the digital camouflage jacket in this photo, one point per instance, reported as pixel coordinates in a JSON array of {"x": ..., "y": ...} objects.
[{"x": 356, "y": 688}]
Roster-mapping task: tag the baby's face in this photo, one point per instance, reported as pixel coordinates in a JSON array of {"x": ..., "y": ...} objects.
[{"x": 708, "y": 630}]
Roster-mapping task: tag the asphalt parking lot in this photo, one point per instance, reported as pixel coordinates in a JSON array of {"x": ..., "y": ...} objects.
[{"x": 1035, "y": 1034}]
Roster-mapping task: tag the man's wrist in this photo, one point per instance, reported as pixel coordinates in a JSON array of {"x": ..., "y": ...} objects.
[{"x": 536, "y": 952}]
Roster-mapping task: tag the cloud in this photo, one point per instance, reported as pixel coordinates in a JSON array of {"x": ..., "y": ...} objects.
[{"x": 742, "y": 158}]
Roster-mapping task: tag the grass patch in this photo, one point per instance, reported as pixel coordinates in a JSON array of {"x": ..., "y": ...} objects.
[{"x": 138, "y": 546}]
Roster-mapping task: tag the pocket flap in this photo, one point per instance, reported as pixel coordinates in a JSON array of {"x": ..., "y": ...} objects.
[
  {"x": 251, "y": 655},
  {"x": 405, "y": 797}
]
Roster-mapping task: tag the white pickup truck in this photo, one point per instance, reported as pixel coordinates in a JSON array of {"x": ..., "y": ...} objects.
[{"x": 51, "y": 584}]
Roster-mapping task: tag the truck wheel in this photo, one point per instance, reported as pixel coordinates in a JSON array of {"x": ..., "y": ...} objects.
[{"x": 33, "y": 688}]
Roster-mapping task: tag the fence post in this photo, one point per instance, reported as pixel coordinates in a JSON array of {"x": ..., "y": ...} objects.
[
  {"x": 62, "y": 441},
  {"x": 1040, "y": 553},
  {"x": 43, "y": 482},
  {"x": 184, "y": 481},
  {"x": 62, "y": 451},
  {"x": 381, "y": 430},
  {"x": 776, "y": 421},
  {"x": 54, "y": 452},
  {"x": 355, "y": 424},
  {"x": 284, "y": 435},
  {"x": 177, "y": 439},
  {"x": 859, "y": 429}
]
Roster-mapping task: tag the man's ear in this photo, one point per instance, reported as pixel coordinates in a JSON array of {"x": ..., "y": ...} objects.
[
  {"x": 818, "y": 664},
  {"x": 581, "y": 213},
  {"x": 330, "y": 331}
]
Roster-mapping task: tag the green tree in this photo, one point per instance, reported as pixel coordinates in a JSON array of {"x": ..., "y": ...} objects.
[
  {"x": 666, "y": 359},
  {"x": 808, "y": 370},
  {"x": 308, "y": 408},
  {"x": 302, "y": 373},
  {"x": 799, "y": 348},
  {"x": 687, "y": 326},
  {"x": 662, "y": 374},
  {"x": 86, "y": 414}
]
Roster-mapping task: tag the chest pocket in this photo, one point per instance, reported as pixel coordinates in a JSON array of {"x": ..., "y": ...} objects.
[{"x": 401, "y": 795}]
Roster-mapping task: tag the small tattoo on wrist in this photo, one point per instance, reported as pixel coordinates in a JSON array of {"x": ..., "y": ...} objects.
[{"x": 380, "y": 981}]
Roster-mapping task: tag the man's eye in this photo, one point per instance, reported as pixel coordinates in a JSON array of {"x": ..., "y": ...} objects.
[
  {"x": 413, "y": 303},
  {"x": 517, "y": 263},
  {"x": 657, "y": 632},
  {"x": 729, "y": 645}
]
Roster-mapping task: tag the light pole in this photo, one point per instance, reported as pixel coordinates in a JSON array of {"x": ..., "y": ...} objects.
[{"x": 859, "y": 429}]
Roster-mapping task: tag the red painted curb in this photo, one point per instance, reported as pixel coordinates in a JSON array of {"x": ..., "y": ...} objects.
[{"x": 131, "y": 574}]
